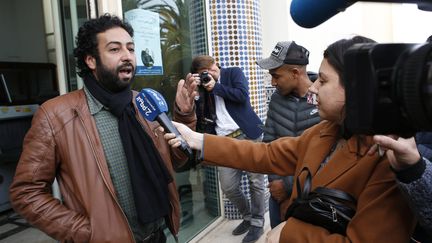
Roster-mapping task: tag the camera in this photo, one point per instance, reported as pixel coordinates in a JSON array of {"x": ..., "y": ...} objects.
[
  {"x": 388, "y": 88},
  {"x": 205, "y": 77}
]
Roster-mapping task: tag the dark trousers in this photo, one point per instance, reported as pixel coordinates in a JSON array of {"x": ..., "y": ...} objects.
[
  {"x": 274, "y": 213},
  {"x": 155, "y": 237},
  {"x": 421, "y": 235}
]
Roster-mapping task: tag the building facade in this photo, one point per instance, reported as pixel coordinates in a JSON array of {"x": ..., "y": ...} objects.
[{"x": 236, "y": 32}]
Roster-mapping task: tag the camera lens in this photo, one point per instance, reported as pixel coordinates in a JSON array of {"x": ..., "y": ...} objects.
[
  {"x": 413, "y": 81},
  {"x": 205, "y": 77}
]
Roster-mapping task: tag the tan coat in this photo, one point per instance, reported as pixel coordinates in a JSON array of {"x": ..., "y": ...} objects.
[
  {"x": 382, "y": 213},
  {"x": 63, "y": 143}
]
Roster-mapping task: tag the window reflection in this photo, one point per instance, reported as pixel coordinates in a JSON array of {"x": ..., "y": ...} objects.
[{"x": 182, "y": 36}]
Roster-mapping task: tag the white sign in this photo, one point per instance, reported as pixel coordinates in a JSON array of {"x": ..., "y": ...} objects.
[{"x": 147, "y": 41}]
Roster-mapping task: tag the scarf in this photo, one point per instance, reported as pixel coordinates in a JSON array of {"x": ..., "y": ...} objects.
[{"x": 148, "y": 174}]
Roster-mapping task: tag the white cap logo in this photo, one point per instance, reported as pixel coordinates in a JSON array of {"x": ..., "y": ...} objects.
[{"x": 277, "y": 50}]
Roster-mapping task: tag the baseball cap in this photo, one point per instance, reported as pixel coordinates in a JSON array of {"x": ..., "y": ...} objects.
[{"x": 285, "y": 52}]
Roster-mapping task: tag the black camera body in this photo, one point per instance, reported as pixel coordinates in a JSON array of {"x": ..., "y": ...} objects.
[
  {"x": 388, "y": 88},
  {"x": 205, "y": 77}
]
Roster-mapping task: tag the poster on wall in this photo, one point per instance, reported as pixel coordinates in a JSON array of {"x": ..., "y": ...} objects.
[{"x": 147, "y": 41}]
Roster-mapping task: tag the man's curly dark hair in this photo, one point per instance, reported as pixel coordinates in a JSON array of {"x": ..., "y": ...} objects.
[{"x": 86, "y": 40}]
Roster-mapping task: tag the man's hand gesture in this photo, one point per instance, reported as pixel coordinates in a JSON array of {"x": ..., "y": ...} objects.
[{"x": 186, "y": 93}]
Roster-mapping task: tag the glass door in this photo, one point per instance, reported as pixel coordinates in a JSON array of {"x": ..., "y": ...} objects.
[
  {"x": 168, "y": 34},
  {"x": 73, "y": 14}
]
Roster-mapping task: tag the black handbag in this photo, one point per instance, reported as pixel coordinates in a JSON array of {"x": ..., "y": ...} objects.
[{"x": 329, "y": 208}]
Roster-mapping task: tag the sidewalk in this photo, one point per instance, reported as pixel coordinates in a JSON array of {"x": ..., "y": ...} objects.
[
  {"x": 222, "y": 233},
  {"x": 14, "y": 229}
]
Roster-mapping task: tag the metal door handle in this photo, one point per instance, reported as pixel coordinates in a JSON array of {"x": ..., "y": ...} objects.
[{"x": 3, "y": 81}]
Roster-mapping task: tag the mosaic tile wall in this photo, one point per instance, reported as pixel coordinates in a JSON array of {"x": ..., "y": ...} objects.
[{"x": 236, "y": 40}]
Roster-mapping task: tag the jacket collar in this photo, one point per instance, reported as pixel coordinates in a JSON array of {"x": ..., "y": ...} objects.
[
  {"x": 357, "y": 144},
  {"x": 94, "y": 105},
  {"x": 345, "y": 156}
]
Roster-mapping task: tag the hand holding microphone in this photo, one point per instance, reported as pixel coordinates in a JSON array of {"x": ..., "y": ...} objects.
[
  {"x": 153, "y": 106},
  {"x": 194, "y": 139}
]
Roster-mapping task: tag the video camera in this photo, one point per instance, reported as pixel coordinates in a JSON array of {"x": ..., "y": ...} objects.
[{"x": 388, "y": 88}]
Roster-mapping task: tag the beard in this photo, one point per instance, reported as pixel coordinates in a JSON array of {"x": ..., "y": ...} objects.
[{"x": 109, "y": 78}]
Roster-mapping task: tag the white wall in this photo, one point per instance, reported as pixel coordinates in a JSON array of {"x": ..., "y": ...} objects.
[
  {"x": 379, "y": 21},
  {"x": 411, "y": 24}
]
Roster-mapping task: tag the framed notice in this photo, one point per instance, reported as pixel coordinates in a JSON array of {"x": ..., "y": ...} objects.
[{"x": 147, "y": 41}]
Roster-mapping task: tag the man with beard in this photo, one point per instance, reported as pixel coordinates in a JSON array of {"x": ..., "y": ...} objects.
[{"x": 114, "y": 168}]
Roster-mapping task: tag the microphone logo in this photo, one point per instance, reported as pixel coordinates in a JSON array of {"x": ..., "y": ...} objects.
[
  {"x": 151, "y": 103},
  {"x": 145, "y": 109},
  {"x": 277, "y": 50}
]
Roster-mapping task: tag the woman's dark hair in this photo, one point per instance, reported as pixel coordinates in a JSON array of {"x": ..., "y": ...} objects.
[
  {"x": 335, "y": 52},
  {"x": 86, "y": 41}
]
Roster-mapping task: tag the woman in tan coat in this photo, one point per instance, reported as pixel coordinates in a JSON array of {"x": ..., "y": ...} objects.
[{"x": 335, "y": 160}]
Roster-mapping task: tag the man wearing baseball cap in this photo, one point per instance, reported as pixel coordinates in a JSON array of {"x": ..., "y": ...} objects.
[{"x": 288, "y": 114}]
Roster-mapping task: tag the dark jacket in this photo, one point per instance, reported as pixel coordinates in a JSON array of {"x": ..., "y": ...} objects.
[
  {"x": 288, "y": 116},
  {"x": 233, "y": 88},
  {"x": 416, "y": 182},
  {"x": 63, "y": 143},
  {"x": 424, "y": 144}
]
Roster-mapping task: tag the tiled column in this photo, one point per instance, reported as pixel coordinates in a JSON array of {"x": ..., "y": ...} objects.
[{"x": 235, "y": 32}]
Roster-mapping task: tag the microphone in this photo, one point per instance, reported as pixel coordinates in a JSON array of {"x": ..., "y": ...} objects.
[
  {"x": 152, "y": 106},
  {"x": 311, "y": 13}
]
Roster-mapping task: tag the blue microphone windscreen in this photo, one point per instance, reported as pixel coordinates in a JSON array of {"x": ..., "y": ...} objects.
[
  {"x": 311, "y": 13},
  {"x": 150, "y": 103}
]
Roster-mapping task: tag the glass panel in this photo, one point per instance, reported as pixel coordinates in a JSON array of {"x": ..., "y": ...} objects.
[
  {"x": 174, "y": 45},
  {"x": 74, "y": 14},
  {"x": 181, "y": 22}
]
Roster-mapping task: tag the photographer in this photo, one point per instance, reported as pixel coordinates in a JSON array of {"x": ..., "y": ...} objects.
[
  {"x": 223, "y": 108},
  {"x": 413, "y": 172},
  {"x": 336, "y": 162}
]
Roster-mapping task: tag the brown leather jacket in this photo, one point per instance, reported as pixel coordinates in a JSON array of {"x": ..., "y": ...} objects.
[{"x": 63, "y": 143}]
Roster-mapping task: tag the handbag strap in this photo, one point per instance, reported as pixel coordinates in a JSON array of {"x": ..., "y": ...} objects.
[
  {"x": 307, "y": 184},
  {"x": 335, "y": 193}
]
